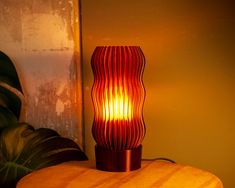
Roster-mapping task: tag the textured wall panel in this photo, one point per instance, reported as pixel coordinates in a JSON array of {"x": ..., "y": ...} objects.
[{"x": 42, "y": 39}]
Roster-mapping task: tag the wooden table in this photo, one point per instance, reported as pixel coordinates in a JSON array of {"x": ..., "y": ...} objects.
[{"x": 152, "y": 174}]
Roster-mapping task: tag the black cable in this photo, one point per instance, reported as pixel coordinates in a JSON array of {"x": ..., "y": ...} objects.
[{"x": 159, "y": 159}]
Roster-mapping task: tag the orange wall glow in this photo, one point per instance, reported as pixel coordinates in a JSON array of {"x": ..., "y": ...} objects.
[{"x": 189, "y": 76}]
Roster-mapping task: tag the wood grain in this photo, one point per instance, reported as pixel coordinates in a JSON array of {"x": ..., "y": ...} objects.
[{"x": 152, "y": 174}]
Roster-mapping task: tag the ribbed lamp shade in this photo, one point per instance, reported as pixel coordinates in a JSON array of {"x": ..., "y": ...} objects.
[{"x": 118, "y": 95}]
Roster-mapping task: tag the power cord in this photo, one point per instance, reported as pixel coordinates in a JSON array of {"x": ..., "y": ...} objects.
[{"x": 160, "y": 159}]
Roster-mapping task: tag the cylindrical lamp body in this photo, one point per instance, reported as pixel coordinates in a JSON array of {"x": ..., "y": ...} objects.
[{"x": 118, "y": 95}]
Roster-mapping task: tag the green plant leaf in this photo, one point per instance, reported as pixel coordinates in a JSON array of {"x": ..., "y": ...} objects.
[
  {"x": 11, "y": 95},
  {"x": 8, "y": 73},
  {"x": 24, "y": 149},
  {"x": 7, "y": 118},
  {"x": 11, "y": 98}
]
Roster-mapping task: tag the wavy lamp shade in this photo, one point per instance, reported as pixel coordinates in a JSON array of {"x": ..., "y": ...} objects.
[{"x": 118, "y": 95}]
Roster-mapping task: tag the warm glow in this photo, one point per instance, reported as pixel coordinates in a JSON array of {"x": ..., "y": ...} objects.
[
  {"x": 117, "y": 106},
  {"x": 118, "y": 95}
]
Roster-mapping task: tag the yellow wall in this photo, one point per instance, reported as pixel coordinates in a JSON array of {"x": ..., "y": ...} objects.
[{"x": 189, "y": 76}]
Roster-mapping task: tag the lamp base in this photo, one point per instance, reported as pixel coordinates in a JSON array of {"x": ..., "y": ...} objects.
[{"x": 118, "y": 161}]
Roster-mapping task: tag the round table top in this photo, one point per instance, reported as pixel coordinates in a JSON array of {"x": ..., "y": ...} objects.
[{"x": 152, "y": 174}]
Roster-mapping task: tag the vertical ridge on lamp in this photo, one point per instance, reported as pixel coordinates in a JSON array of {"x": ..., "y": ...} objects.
[{"x": 118, "y": 95}]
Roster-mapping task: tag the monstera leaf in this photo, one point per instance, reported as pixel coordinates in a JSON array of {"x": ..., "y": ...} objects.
[
  {"x": 7, "y": 118},
  {"x": 8, "y": 72},
  {"x": 11, "y": 94},
  {"x": 23, "y": 150}
]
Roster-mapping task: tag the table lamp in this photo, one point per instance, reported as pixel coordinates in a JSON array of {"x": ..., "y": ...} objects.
[{"x": 118, "y": 95}]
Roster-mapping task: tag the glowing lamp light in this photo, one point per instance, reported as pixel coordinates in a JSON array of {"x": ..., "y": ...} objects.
[
  {"x": 116, "y": 106},
  {"x": 118, "y": 95}
]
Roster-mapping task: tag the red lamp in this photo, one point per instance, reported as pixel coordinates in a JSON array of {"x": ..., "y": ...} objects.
[{"x": 118, "y": 95}]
